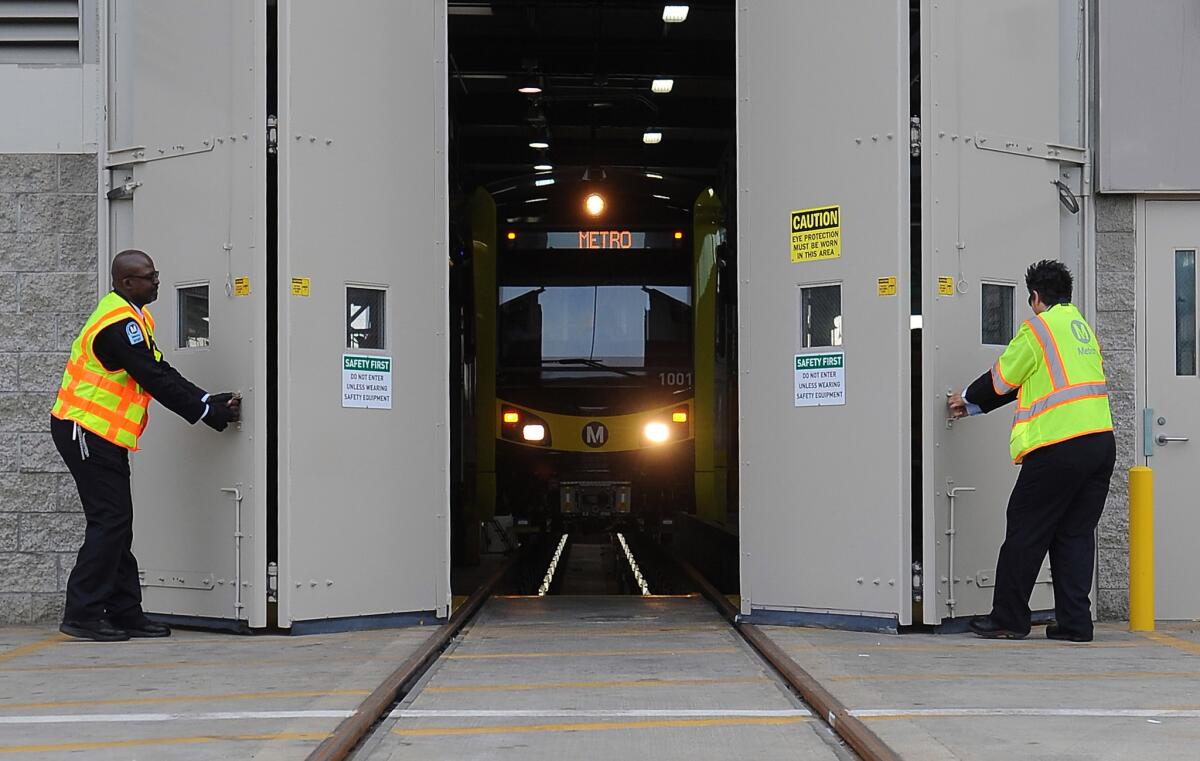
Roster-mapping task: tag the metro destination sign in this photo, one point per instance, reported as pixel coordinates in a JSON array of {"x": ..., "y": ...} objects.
[{"x": 608, "y": 240}]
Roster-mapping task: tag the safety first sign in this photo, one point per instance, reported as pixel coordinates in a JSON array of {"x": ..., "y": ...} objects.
[
  {"x": 821, "y": 379},
  {"x": 816, "y": 234}
]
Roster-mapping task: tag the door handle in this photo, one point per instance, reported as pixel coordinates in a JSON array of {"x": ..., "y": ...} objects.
[{"x": 1163, "y": 439}]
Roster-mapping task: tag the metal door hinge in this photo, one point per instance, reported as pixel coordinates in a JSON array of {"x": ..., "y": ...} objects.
[
  {"x": 272, "y": 135},
  {"x": 914, "y": 136},
  {"x": 272, "y": 582}
]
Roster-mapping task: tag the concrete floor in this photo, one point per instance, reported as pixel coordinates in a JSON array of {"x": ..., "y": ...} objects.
[
  {"x": 193, "y": 695},
  {"x": 933, "y": 697},
  {"x": 601, "y": 678}
]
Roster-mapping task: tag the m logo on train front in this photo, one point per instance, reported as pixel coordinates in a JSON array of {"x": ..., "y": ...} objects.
[
  {"x": 595, "y": 434},
  {"x": 816, "y": 233}
]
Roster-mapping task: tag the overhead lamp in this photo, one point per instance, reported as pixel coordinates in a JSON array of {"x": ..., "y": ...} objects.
[
  {"x": 660, "y": 196},
  {"x": 651, "y": 138},
  {"x": 594, "y": 204},
  {"x": 654, "y": 175},
  {"x": 529, "y": 88},
  {"x": 536, "y": 200},
  {"x": 544, "y": 182},
  {"x": 662, "y": 85},
  {"x": 542, "y": 167},
  {"x": 675, "y": 14},
  {"x": 540, "y": 145}
]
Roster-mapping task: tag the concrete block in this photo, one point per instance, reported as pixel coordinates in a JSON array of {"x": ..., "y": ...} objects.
[
  {"x": 56, "y": 213},
  {"x": 1112, "y": 565},
  {"x": 57, "y": 292},
  {"x": 25, "y": 412},
  {"x": 1117, "y": 330},
  {"x": 1113, "y": 530},
  {"x": 1114, "y": 213},
  {"x": 66, "y": 563},
  {"x": 67, "y": 329},
  {"x": 28, "y": 172},
  {"x": 19, "y": 332},
  {"x": 15, "y": 608},
  {"x": 47, "y": 608},
  {"x": 28, "y": 252},
  {"x": 1115, "y": 252},
  {"x": 39, "y": 455},
  {"x": 1128, "y": 449},
  {"x": 1115, "y": 292},
  {"x": 9, "y": 375},
  {"x": 8, "y": 212},
  {"x": 78, "y": 253},
  {"x": 9, "y": 533},
  {"x": 8, "y": 291},
  {"x": 28, "y": 572},
  {"x": 52, "y": 532},
  {"x": 28, "y": 492},
  {"x": 1112, "y": 604},
  {"x": 43, "y": 371},
  {"x": 77, "y": 173},
  {"x": 10, "y": 450},
  {"x": 68, "y": 495},
  {"x": 1120, "y": 370}
]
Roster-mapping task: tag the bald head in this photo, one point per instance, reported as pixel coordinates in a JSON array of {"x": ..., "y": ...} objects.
[{"x": 134, "y": 276}]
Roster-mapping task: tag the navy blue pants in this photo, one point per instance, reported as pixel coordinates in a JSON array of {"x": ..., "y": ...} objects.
[
  {"x": 104, "y": 582},
  {"x": 1054, "y": 508}
]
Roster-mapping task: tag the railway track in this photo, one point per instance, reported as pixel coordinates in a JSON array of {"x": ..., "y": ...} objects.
[{"x": 618, "y": 562}]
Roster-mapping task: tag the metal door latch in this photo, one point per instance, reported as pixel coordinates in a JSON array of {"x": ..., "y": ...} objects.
[{"x": 1163, "y": 439}]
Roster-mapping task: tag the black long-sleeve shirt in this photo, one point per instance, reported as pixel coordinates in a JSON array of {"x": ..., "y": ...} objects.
[
  {"x": 981, "y": 392},
  {"x": 118, "y": 347}
]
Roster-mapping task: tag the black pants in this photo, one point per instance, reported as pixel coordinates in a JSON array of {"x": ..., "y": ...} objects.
[
  {"x": 104, "y": 582},
  {"x": 1054, "y": 507}
]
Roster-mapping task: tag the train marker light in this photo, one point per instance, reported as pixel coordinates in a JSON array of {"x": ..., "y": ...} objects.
[
  {"x": 594, "y": 204},
  {"x": 657, "y": 433},
  {"x": 512, "y": 416},
  {"x": 679, "y": 416},
  {"x": 675, "y": 14},
  {"x": 511, "y": 235},
  {"x": 678, "y": 235},
  {"x": 662, "y": 85},
  {"x": 651, "y": 138},
  {"x": 534, "y": 432}
]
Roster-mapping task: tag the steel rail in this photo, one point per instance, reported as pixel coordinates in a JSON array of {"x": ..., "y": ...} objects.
[
  {"x": 354, "y": 728},
  {"x": 850, "y": 728}
]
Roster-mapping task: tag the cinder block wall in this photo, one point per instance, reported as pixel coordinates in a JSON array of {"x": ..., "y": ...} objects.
[
  {"x": 1116, "y": 328},
  {"x": 47, "y": 289}
]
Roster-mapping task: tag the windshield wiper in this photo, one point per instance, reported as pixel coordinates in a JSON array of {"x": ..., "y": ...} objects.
[{"x": 595, "y": 363}]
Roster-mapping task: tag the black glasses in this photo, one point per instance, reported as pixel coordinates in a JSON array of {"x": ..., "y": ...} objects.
[{"x": 153, "y": 276}]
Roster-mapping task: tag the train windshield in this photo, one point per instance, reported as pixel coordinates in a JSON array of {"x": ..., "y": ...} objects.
[{"x": 626, "y": 329}]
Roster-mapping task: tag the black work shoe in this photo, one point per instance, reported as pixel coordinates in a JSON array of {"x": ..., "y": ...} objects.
[
  {"x": 1054, "y": 631},
  {"x": 985, "y": 627},
  {"x": 140, "y": 626},
  {"x": 99, "y": 630}
]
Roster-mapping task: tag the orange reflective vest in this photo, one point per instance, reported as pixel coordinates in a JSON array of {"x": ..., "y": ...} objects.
[
  {"x": 1055, "y": 361},
  {"x": 109, "y": 403}
]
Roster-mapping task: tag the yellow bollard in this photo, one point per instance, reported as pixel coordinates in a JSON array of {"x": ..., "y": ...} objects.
[{"x": 1141, "y": 549}]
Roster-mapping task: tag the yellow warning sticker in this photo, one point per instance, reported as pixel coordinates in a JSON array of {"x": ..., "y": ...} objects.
[
  {"x": 945, "y": 285},
  {"x": 301, "y": 286},
  {"x": 241, "y": 286},
  {"x": 887, "y": 286},
  {"x": 816, "y": 233}
]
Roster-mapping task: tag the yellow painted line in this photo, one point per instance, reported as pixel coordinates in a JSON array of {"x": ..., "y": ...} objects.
[
  {"x": 600, "y": 726},
  {"x": 591, "y": 653},
  {"x": 521, "y": 687},
  {"x": 185, "y": 699},
  {"x": 1171, "y": 640},
  {"x": 33, "y": 647},
  {"x": 148, "y": 741},
  {"x": 1082, "y": 676}
]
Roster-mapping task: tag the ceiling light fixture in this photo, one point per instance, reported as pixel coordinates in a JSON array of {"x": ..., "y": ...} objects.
[
  {"x": 656, "y": 195},
  {"x": 675, "y": 14},
  {"x": 529, "y": 88},
  {"x": 662, "y": 85},
  {"x": 651, "y": 138},
  {"x": 536, "y": 200},
  {"x": 544, "y": 183},
  {"x": 540, "y": 145},
  {"x": 542, "y": 167},
  {"x": 654, "y": 175}
]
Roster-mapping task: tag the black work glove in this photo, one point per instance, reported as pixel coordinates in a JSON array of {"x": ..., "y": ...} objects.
[
  {"x": 229, "y": 400},
  {"x": 219, "y": 415}
]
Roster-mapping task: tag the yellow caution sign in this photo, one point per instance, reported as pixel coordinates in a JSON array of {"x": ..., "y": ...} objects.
[
  {"x": 241, "y": 286},
  {"x": 945, "y": 285},
  {"x": 301, "y": 286},
  {"x": 887, "y": 286},
  {"x": 816, "y": 234}
]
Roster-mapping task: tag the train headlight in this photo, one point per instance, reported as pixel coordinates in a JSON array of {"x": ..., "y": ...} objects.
[
  {"x": 534, "y": 432},
  {"x": 594, "y": 204},
  {"x": 656, "y": 432}
]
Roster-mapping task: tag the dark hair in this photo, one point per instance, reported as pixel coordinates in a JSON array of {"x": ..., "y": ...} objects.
[{"x": 1051, "y": 279}]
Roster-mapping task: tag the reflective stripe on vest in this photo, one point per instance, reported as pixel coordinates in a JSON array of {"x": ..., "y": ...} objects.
[
  {"x": 110, "y": 404},
  {"x": 1050, "y": 353}
]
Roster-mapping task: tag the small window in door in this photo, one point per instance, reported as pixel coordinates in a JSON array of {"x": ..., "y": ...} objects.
[
  {"x": 1185, "y": 312},
  {"x": 820, "y": 316},
  {"x": 364, "y": 317},
  {"x": 997, "y": 316},
  {"x": 193, "y": 317}
]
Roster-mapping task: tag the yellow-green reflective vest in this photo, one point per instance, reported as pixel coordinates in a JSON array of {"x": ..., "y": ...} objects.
[
  {"x": 108, "y": 403},
  {"x": 1055, "y": 361}
]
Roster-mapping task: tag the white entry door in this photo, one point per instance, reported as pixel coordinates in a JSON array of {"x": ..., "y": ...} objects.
[
  {"x": 187, "y": 126},
  {"x": 1172, "y": 390}
]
